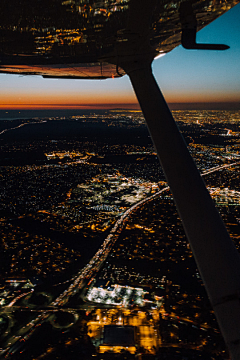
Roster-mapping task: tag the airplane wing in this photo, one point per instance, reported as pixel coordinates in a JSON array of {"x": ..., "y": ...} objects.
[{"x": 72, "y": 38}]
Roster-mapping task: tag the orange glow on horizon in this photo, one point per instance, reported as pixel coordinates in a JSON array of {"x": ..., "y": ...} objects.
[
  {"x": 58, "y": 100},
  {"x": 28, "y": 93},
  {"x": 66, "y": 106},
  {"x": 58, "y": 96}
]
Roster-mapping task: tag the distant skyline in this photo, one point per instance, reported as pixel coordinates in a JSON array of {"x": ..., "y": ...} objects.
[{"x": 189, "y": 79}]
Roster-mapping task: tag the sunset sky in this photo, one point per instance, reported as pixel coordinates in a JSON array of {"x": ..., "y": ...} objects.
[{"x": 198, "y": 77}]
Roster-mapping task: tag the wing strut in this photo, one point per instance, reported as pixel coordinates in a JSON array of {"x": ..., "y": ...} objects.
[{"x": 216, "y": 256}]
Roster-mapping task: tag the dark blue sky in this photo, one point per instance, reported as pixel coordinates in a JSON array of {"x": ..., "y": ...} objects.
[{"x": 183, "y": 75}]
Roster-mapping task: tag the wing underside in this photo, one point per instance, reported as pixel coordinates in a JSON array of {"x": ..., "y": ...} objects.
[{"x": 71, "y": 39}]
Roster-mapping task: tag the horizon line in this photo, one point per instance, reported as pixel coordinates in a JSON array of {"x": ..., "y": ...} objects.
[{"x": 132, "y": 106}]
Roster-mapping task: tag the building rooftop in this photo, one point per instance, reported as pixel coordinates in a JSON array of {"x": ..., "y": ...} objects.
[{"x": 116, "y": 335}]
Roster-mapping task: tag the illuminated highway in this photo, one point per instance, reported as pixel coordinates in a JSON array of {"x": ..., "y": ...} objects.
[
  {"x": 21, "y": 125},
  {"x": 98, "y": 259},
  {"x": 220, "y": 167},
  {"x": 78, "y": 281}
]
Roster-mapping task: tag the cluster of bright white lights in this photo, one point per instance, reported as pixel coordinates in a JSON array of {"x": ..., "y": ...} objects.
[{"x": 118, "y": 295}]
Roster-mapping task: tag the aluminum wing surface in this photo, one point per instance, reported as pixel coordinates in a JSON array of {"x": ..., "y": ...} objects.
[{"x": 72, "y": 38}]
